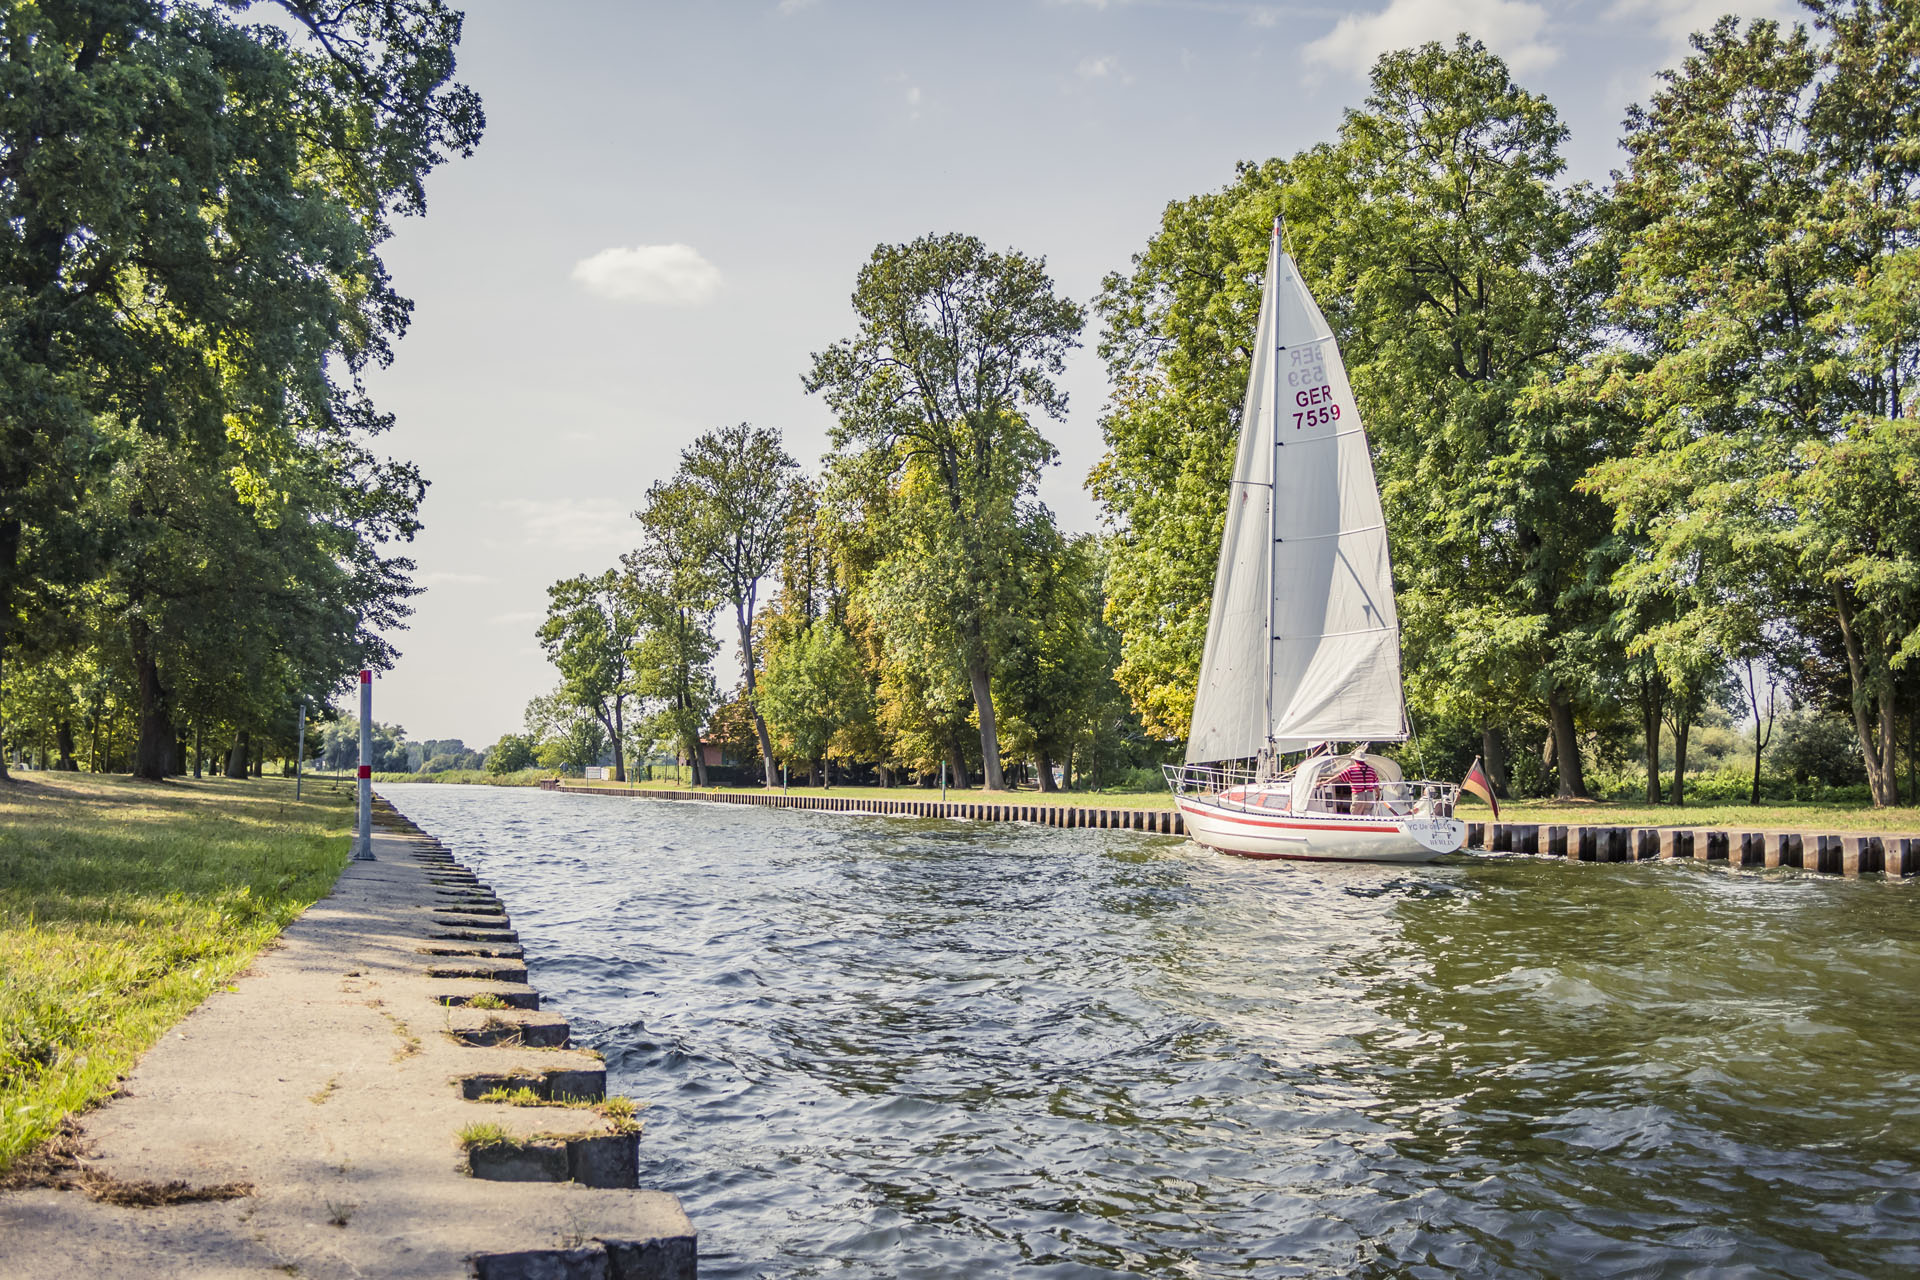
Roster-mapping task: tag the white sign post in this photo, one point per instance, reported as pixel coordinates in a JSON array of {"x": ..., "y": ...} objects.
[{"x": 363, "y": 848}]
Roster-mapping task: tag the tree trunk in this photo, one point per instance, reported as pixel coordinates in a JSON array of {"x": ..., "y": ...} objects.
[
  {"x": 63, "y": 738},
  {"x": 1566, "y": 743},
  {"x": 153, "y": 749},
  {"x": 1682, "y": 726},
  {"x": 619, "y": 745},
  {"x": 260, "y": 760},
  {"x": 956, "y": 763},
  {"x": 753, "y": 692},
  {"x": 237, "y": 756},
  {"x": 1043, "y": 766},
  {"x": 1759, "y": 741},
  {"x": 1650, "y": 724},
  {"x": 1880, "y": 780},
  {"x": 199, "y": 741},
  {"x": 989, "y": 736},
  {"x": 1493, "y": 754},
  {"x": 179, "y": 762}
]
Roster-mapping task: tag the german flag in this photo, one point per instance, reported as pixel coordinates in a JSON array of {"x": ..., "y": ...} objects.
[{"x": 1477, "y": 782}]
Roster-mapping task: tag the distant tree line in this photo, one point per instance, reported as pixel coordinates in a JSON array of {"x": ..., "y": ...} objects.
[{"x": 195, "y": 533}]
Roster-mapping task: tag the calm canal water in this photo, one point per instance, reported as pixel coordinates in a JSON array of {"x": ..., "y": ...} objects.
[{"x": 878, "y": 1047}]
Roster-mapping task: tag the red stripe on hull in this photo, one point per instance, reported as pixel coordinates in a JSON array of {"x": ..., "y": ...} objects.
[{"x": 1234, "y": 815}]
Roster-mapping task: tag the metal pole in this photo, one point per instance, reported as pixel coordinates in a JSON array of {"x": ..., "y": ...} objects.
[
  {"x": 300, "y": 753},
  {"x": 1264, "y": 768},
  {"x": 364, "y": 851},
  {"x": 943, "y": 780},
  {"x": 783, "y": 777}
]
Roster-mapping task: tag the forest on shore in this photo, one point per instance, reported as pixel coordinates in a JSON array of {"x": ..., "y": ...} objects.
[
  {"x": 1648, "y": 451},
  {"x": 197, "y": 535}
]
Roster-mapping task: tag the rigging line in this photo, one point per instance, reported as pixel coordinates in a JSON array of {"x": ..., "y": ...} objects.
[
  {"x": 1322, "y": 537},
  {"x": 1413, "y": 732},
  {"x": 1334, "y": 635},
  {"x": 1331, "y": 435}
]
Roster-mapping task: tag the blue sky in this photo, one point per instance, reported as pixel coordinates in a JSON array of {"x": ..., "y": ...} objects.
[{"x": 671, "y": 202}]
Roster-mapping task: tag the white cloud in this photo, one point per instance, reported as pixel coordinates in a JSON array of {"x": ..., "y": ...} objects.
[
  {"x": 439, "y": 578},
  {"x": 1511, "y": 28},
  {"x": 577, "y": 524},
  {"x": 515, "y": 619},
  {"x": 1098, "y": 68},
  {"x": 1675, "y": 20},
  {"x": 909, "y": 91},
  {"x": 672, "y": 274},
  {"x": 795, "y": 6}
]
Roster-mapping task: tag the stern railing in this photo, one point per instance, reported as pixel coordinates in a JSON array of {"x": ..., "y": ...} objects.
[{"x": 1245, "y": 791}]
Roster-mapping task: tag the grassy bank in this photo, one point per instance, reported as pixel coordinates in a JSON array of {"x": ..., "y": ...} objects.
[
  {"x": 1086, "y": 799},
  {"x": 1805, "y": 816},
  {"x": 123, "y": 904},
  {"x": 472, "y": 777}
]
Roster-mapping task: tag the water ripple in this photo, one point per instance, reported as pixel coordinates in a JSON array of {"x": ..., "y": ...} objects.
[{"x": 878, "y": 1047}]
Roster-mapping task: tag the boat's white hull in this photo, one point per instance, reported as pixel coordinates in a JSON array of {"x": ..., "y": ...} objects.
[{"x": 1321, "y": 837}]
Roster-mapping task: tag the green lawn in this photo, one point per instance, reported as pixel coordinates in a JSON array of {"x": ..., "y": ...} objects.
[
  {"x": 123, "y": 904},
  {"x": 1809, "y": 816}
]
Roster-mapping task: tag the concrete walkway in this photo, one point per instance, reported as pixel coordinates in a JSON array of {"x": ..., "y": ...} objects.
[{"x": 331, "y": 1080}]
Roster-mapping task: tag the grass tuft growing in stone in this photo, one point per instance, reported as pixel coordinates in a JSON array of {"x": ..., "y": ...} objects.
[
  {"x": 486, "y": 1000},
  {"x": 122, "y": 905},
  {"x": 622, "y": 1114},
  {"x": 484, "y": 1133}
]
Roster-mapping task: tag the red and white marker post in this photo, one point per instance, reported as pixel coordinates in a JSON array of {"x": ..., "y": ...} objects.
[{"x": 363, "y": 847}]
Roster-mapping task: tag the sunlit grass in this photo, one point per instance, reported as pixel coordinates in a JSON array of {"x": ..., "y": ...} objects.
[
  {"x": 1062, "y": 799},
  {"x": 123, "y": 904},
  {"x": 1719, "y": 814}
]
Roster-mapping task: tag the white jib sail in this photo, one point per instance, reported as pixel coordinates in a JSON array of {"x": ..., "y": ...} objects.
[{"x": 1329, "y": 667}]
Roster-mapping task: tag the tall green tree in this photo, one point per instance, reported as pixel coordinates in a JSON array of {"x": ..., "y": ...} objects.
[
  {"x": 739, "y": 488},
  {"x": 815, "y": 693},
  {"x": 1057, "y": 673},
  {"x": 675, "y": 594},
  {"x": 1464, "y": 287},
  {"x": 591, "y": 627},
  {"x": 956, "y": 346},
  {"x": 1769, "y": 215}
]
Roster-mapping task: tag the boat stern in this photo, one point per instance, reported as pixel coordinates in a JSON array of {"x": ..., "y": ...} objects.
[{"x": 1442, "y": 835}]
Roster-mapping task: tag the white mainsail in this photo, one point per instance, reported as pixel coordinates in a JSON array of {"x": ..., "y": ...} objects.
[{"x": 1303, "y": 644}]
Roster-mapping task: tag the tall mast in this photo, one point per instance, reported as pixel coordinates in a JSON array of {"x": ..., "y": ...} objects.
[{"x": 1273, "y": 479}]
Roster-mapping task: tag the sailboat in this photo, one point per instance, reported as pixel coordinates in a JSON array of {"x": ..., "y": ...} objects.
[{"x": 1303, "y": 644}]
